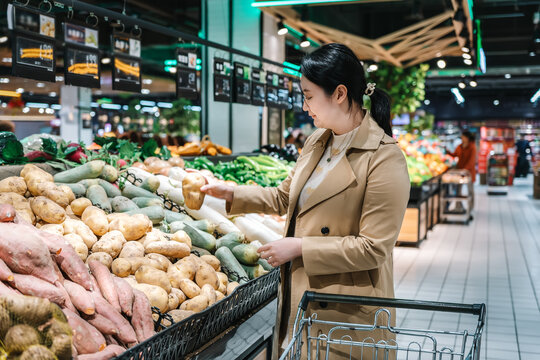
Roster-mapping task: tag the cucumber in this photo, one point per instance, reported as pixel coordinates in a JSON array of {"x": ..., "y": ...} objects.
[
  {"x": 198, "y": 237},
  {"x": 245, "y": 253},
  {"x": 90, "y": 170},
  {"x": 203, "y": 225},
  {"x": 143, "y": 202},
  {"x": 172, "y": 216},
  {"x": 79, "y": 190},
  {"x": 131, "y": 191},
  {"x": 154, "y": 213},
  {"x": 123, "y": 204},
  {"x": 151, "y": 184},
  {"x": 97, "y": 195},
  {"x": 109, "y": 173},
  {"x": 254, "y": 271},
  {"x": 200, "y": 251},
  {"x": 88, "y": 182},
  {"x": 228, "y": 261},
  {"x": 230, "y": 240},
  {"x": 265, "y": 264},
  {"x": 110, "y": 189}
]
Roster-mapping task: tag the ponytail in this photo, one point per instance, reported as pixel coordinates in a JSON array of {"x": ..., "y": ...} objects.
[{"x": 380, "y": 110}]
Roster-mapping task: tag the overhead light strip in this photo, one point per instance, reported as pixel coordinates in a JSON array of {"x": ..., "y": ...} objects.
[
  {"x": 535, "y": 96},
  {"x": 459, "y": 98},
  {"x": 260, "y": 4}
]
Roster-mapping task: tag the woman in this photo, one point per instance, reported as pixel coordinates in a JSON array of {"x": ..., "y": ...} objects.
[
  {"x": 345, "y": 199},
  {"x": 466, "y": 153}
]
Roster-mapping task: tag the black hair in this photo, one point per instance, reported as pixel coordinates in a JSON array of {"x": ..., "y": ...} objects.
[
  {"x": 335, "y": 64},
  {"x": 469, "y": 135}
]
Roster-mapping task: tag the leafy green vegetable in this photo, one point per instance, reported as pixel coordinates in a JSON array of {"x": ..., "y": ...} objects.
[
  {"x": 127, "y": 150},
  {"x": 149, "y": 148},
  {"x": 13, "y": 152},
  {"x": 49, "y": 146},
  {"x": 165, "y": 153}
]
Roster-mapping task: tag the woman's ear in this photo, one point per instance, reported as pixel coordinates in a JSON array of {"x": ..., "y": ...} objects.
[{"x": 340, "y": 94}]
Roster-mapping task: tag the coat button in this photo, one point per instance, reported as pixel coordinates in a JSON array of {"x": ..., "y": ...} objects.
[{"x": 325, "y": 230}]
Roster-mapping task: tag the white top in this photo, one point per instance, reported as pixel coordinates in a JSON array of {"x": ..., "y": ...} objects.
[{"x": 335, "y": 151}]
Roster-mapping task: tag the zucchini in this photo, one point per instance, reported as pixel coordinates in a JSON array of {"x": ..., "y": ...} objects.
[
  {"x": 154, "y": 213},
  {"x": 245, "y": 253},
  {"x": 97, "y": 195},
  {"x": 90, "y": 170},
  {"x": 123, "y": 204},
  {"x": 131, "y": 191},
  {"x": 88, "y": 182},
  {"x": 254, "y": 271},
  {"x": 109, "y": 173},
  {"x": 110, "y": 189},
  {"x": 172, "y": 216},
  {"x": 229, "y": 262},
  {"x": 143, "y": 202},
  {"x": 78, "y": 189},
  {"x": 151, "y": 184},
  {"x": 230, "y": 240},
  {"x": 200, "y": 251},
  {"x": 265, "y": 264},
  {"x": 198, "y": 237}
]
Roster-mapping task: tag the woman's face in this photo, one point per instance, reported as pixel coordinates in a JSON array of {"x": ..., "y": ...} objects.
[{"x": 318, "y": 105}]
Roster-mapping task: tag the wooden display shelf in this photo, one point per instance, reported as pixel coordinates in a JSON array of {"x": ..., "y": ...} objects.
[{"x": 415, "y": 223}]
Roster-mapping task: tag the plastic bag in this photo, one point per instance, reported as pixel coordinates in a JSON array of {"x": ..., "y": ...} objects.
[{"x": 34, "y": 142}]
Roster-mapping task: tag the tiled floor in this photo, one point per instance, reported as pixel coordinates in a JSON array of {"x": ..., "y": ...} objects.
[{"x": 494, "y": 260}]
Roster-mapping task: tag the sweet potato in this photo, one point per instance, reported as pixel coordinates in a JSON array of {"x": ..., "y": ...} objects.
[
  {"x": 133, "y": 227},
  {"x": 80, "y": 298},
  {"x": 106, "y": 283},
  {"x": 26, "y": 253},
  {"x": 142, "y": 316},
  {"x": 148, "y": 275},
  {"x": 96, "y": 219},
  {"x": 7, "y": 290},
  {"x": 72, "y": 226},
  {"x": 125, "y": 332},
  {"x": 132, "y": 249},
  {"x": 83, "y": 337},
  {"x": 47, "y": 210},
  {"x": 78, "y": 245},
  {"x": 79, "y": 205},
  {"x": 5, "y": 272},
  {"x": 68, "y": 304},
  {"x": 206, "y": 275},
  {"x": 171, "y": 249},
  {"x": 125, "y": 295},
  {"x": 31, "y": 285},
  {"x": 157, "y": 296},
  {"x": 102, "y": 257},
  {"x": 111, "y": 243},
  {"x": 109, "y": 352},
  {"x": 14, "y": 184},
  {"x": 196, "y": 304},
  {"x": 103, "y": 324}
]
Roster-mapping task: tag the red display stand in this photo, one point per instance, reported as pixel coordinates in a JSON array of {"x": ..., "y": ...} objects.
[{"x": 498, "y": 140}]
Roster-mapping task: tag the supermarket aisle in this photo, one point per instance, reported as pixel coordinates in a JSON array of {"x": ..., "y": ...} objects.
[{"x": 496, "y": 260}]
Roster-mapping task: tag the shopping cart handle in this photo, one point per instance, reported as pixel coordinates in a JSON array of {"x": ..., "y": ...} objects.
[{"x": 310, "y": 296}]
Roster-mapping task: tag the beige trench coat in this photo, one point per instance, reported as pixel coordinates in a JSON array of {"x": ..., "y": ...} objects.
[{"x": 348, "y": 226}]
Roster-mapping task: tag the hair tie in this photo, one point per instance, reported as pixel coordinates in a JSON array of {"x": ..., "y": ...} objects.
[{"x": 370, "y": 88}]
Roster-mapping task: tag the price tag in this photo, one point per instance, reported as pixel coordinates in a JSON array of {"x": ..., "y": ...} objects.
[
  {"x": 126, "y": 63},
  {"x": 242, "y": 83},
  {"x": 258, "y": 89},
  {"x": 82, "y": 63},
  {"x": 186, "y": 75},
  {"x": 222, "y": 80}
]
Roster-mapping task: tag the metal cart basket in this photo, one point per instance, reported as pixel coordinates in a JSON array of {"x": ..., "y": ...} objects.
[{"x": 409, "y": 343}]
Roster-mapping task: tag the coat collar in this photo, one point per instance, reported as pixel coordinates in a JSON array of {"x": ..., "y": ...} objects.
[{"x": 368, "y": 137}]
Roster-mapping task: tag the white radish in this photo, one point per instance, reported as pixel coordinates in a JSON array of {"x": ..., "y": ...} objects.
[{"x": 254, "y": 230}]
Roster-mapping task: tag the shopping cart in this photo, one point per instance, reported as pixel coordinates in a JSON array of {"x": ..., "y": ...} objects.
[{"x": 409, "y": 343}]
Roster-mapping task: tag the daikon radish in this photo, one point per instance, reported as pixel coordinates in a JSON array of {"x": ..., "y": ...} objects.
[
  {"x": 255, "y": 217},
  {"x": 175, "y": 195},
  {"x": 223, "y": 225},
  {"x": 254, "y": 230},
  {"x": 166, "y": 185},
  {"x": 216, "y": 204},
  {"x": 177, "y": 173},
  {"x": 256, "y": 243},
  {"x": 139, "y": 173},
  {"x": 274, "y": 225}
]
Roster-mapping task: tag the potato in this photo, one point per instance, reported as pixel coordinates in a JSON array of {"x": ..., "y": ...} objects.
[
  {"x": 174, "y": 301},
  {"x": 179, "y": 315},
  {"x": 219, "y": 296},
  {"x": 149, "y": 275},
  {"x": 21, "y": 205},
  {"x": 133, "y": 227},
  {"x": 180, "y": 294},
  {"x": 114, "y": 216},
  {"x": 182, "y": 237},
  {"x": 131, "y": 280},
  {"x": 157, "y": 296},
  {"x": 72, "y": 226},
  {"x": 79, "y": 205},
  {"x": 30, "y": 171},
  {"x": 48, "y": 190},
  {"x": 222, "y": 288},
  {"x": 20, "y": 337},
  {"x": 111, "y": 243},
  {"x": 189, "y": 288},
  {"x": 230, "y": 288},
  {"x": 191, "y": 189},
  {"x": 70, "y": 214},
  {"x": 168, "y": 248},
  {"x": 208, "y": 291},
  {"x": 193, "y": 260},
  {"x": 68, "y": 192},
  {"x": 48, "y": 210},
  {"x": 153, "y": 236},
  {"x": 132, "y": 249},
  {"x": 206, "y": 275},
  {"x": 197, "y": 304},
  {"x": 179, "y": 271},
  {"x": 102, "y": 257},
  {"x": 212, "y": 261},
  {"x": 96, "y": 219},
  {"x": 158, "y": 261},
  {"x": 78, "y": 244},
  {"x": 223, "y": 278},
  {"x": 123, "y": 267},
  {"x": 57, "y": 229},
  {"x": 14, "y": 184}
]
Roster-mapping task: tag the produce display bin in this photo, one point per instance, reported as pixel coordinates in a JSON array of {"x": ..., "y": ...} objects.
[
  {"x": 181, "y": 339},
  {"x": 415, "y": 223}
]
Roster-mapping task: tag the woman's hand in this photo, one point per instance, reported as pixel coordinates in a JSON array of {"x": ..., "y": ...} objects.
[
  {"x": 281, "y": 251},
  {"x": 219, "y": 191}
]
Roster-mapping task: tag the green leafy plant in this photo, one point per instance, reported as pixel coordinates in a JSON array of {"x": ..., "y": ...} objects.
[
  {"x": 423, "y": 121},
  {"x": 185, "y": 121}
]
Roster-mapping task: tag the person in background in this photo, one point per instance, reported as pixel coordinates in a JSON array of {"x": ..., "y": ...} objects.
[
  {"x": 522, "y": 164},
  {"x": 6, "y": 125},
  {"x": 466, "y": 154}
]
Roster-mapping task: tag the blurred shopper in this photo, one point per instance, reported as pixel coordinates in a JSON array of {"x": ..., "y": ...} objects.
[
  {"x": 6, "y": 125},
  {"x": 466, "y": 153},
  {"x": 523, "y": 150}
]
